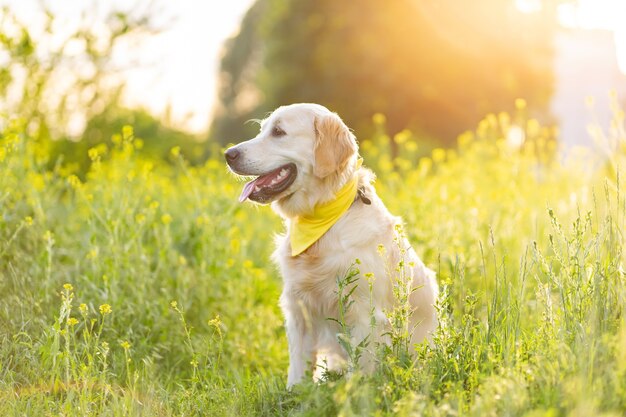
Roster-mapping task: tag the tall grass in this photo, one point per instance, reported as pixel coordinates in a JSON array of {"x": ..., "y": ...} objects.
[{"x": 144, "y": 288}]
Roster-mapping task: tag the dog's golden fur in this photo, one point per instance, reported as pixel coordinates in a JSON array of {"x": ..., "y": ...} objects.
[{"x": 325, "y": 153}]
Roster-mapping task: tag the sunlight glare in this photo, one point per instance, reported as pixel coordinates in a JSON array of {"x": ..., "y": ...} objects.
[
  {"x": 599, "y": 14},
  {"x": 528, "y": 6}
]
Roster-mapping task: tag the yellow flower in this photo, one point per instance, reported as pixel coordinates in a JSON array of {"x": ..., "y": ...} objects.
[
  {"x": 125, "y": 344},
  {"x": 127, "y": 132},
  {"x": 379, "y": 119},
  {"x": 439, "y": 155},
  {"x": 175, "y": 151},
  {"x": 105, "y": 309},
  {"x": 411, "y": 146},
  {"x": 68, "y": 287},
  {"x": 166, "y": 219},
  {"x": 174, "y": 304},
  {"x": 48, "y": 237},
  {"x": 402, "y": 136},
  {"x": 83, "y": 309},
  {"x": 215, "y": 321},
  {"x": 74, "y": 181},
  {"x": 520, "y": 104},
  {"x": 465, "y": 139},
  {"x": 72, "y": 322},
  {"x": 93, "y": 154}
]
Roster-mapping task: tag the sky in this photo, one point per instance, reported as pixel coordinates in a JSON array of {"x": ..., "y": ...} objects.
[{"x": 179, "y": 66}]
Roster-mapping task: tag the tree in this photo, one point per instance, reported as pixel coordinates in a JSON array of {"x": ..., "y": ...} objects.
[{"x": 436, "y": 67}]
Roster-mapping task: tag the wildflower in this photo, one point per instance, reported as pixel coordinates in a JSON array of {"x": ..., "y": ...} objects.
[
  {"x": 401, "y": 137},
  {"x": 379, "y": 119},
  {"x": 194, "y": 363},
  {"x": 28, "y": 221},
  {"x": 140, "y": 218},
  {"x": 72, "y": 322},
  {"x": 93, "y": 154},
  {"x": 74, "y": 181},
  {"x": 105, "y": 309},
  {"x": 48, "y": 237},
  {"x": 127, "y": 133},
  {"x": 174, "y": 304},
  {"x": 439, "y": 155},
  {"x": 166, "y": 219},
  {"x": 215, "y": 322},
  {"x": 68, "y": 287},
  {"x": 175, "y": 151},
  {"x": 520, "y": 104},
  {"x": 125, "y": 344},
  {"x": 83, "y": 309}
]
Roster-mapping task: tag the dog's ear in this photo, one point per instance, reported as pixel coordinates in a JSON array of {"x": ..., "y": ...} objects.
[{"x": 334, "y": 145}]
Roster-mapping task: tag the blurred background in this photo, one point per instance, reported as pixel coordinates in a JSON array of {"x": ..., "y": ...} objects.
[{"x": 193, "y": 73}]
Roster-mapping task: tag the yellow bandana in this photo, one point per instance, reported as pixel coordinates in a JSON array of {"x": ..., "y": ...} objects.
[{"x": 306, "y": 230}]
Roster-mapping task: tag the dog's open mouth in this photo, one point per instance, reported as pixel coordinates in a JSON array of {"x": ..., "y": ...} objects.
[{"x": 265, "y": 188}]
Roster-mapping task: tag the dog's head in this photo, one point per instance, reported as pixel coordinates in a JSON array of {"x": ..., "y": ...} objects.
[{"x": 301, "y": 156}]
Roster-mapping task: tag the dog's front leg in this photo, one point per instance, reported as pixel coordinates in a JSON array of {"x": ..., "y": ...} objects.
[{"x": 301, "y": 343}]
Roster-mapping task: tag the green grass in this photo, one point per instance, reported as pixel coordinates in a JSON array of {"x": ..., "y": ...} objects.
[{"x": 146, "y": 289}]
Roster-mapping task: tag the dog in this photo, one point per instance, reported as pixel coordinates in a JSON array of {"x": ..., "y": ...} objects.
[{"x": 306, "y": 163}]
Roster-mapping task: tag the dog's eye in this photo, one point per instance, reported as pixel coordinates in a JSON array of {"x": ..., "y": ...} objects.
[{"x": 277, "y": 131}]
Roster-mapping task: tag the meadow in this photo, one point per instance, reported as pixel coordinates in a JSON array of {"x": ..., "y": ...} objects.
[{"x": 142, "y": 287}]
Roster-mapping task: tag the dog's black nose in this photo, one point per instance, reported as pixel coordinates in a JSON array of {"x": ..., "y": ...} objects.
[{"x": 231, "y": 154}]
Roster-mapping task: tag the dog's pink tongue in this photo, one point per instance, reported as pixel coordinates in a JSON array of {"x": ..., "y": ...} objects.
[{"x": 247, "y": 190}]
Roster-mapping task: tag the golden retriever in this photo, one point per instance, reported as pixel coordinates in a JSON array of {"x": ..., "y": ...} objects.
[{"x": 303, "y": 155}]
